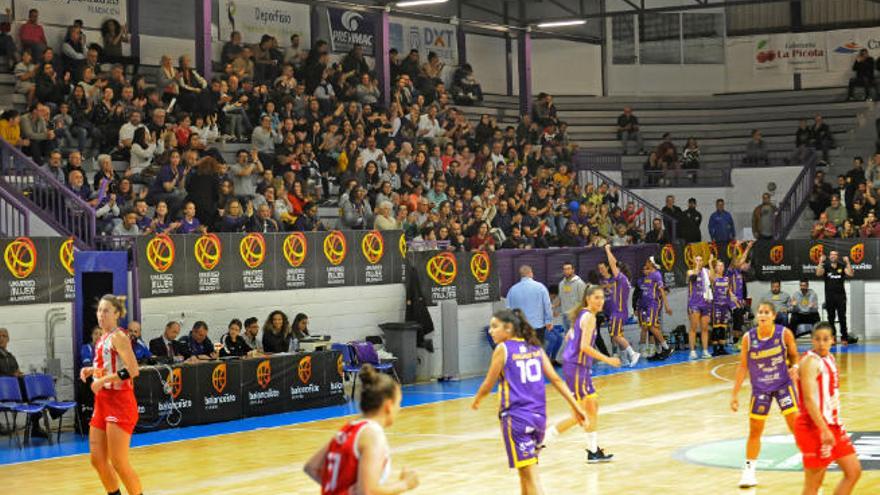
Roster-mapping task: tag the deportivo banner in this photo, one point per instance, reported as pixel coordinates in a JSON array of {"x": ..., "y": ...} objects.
[
  {"x": 790, "y": 53},
  {"x": 62, "y": 12},
  {"x": 36, "y": 270},
  {"x": 170, "y": 265},
  {"x": 350, "y": 28},
  {"x": 466, "y": 277},
  {"x": 406, "y": 34},
  {"x": 254, "y": 18}
]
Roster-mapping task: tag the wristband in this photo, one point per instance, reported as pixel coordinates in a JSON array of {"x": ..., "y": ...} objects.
[{"x": 123, "y": 374}]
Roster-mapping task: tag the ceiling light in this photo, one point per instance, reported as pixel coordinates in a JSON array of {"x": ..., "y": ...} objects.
[
  {"x": 572, "y": 22},
  {"x": 416, "y": 3}
]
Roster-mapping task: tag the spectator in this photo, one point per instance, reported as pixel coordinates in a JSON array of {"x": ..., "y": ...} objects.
[
  {"x": 802, "y": 135},
  {"x": 128, "y": 227},
  {"x": 871, "y": 227},
  {"x": 10, "y": 129},
  {"x": 628, "y": 130},
  {"x": 32, "y": 36},
  {"x": 262, "y": 221},
  {"x": 356, "y": 212},
  {"x": 854, "y": 177},
  {"x": 872, "y": 174},
  {"x": 673, "y": 215},
  {"x": 114, "y": 35},
  {"x": 690, "y": 157},
  {"x": 721, "y": 227},
  {"x": 200, "y": 346},
  {"x": 824, "y": 228},
  {"x": 533, "y": 299},
  {"x": 385, "y": 217},
  {"x": 167, "y": 347},
  {"x": 780, "y": 301},
  {"x": 764, "y": 218},
  {"x": 658, "y": 234},
  {"x": 756, "y": 150},
  {"x": 689, "y": 226},
  {"x": 820, "y": 194},
  {"x": 234, "y": 344},
  {"x": 231, "y": 48},
  {"x": 7, "y": 45},
  {"x": 822, "y": 137},
  {"x": 251, "y": 330},
  {"x": 73, "y": 52},
  {"x": 836, "y": 213},
  {"x": 465, "y": 88},
  {"x": 140, "y": 348},
  {"x": 35, "y": 129},
  {"x": 8, "y": 363},
  {"x": 848, "y": 230},
  {"x": 300, "y": 327},
  {"x": 276, "y": 333},
  {"x": 87, "y": 350},
  {"x": 25, "y": 73},
  {"x": 804, "y": 306},
  {"x": 308, "y": 221},
  {"x": 544, "y": 111},
  {"x": 863, "y": 66}
]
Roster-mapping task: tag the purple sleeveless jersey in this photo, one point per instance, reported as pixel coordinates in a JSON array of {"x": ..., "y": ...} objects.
[
  {"x": 651, "y": 286},
  {"x": 720, "y": 292},
  {"x": 736, "y": 282},
  {"x": 576, "y": 364},
  {"x": 522, "y": 381},
  {"x": 572, "y": 353},
  {"x": 696, "y": 287},
  {"x": 768, "y": 370},
  {"x": 616, "y": 295}
]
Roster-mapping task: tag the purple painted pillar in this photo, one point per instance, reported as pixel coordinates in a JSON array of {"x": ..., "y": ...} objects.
[
  {"x": 524, "y": 57},
  {"x": 134, "y": 28},
  {"x": 383, "y": 63},
  {"x": 203, "y": 38}
]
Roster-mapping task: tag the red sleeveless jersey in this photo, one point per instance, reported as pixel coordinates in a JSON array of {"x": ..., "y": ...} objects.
[
  {"x": 107, "y": 361},
  {"x": 828, "y": 388},
  {"x": 339, "y": 474}
]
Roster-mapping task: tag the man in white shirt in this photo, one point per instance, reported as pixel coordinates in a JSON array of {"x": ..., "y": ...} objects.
[
  {"x": 429, "y": 127},
  {"x": 373, "y": 154},
  {"x": 126, "y": 132},
  {"x": 497, "y": 155},
  {"x": 246, "y": 173}
]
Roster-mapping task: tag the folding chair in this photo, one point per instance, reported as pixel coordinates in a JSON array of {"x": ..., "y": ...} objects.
[
  {"x": 366, "y": 354},
  {"x": 350, "y": 368},
  {"x": 11, "y": 401},
  {"x": 40, "y": 389}
]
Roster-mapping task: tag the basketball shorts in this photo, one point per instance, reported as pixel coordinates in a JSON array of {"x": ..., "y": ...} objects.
[
  {"x": 115, "y": 406},
  {"x": 720, "y": 315},
  {"x": 580, "y": 381},
  {"x": 702, "y": 307},
  {"x": 649, "y": 316},
  {"x": 761, "y": 401},
  {"x": 809, "y": 442},
  {"x": 615, "y": 324},
  {"x": 521, "y": 439}
]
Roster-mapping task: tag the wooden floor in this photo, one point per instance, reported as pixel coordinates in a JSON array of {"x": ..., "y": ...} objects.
[{"x": 645, "y": 418}]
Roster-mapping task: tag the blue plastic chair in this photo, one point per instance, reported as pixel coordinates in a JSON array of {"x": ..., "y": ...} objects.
[
  {"x": 11, "y": 401},
  {"x": 350, "y": 367},
  {"x": 40, "y": 389},
  {"x": 365, "y": 353}
]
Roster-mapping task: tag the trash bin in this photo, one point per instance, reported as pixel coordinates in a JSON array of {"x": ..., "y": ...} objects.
[{"x": 400, "y": 340}]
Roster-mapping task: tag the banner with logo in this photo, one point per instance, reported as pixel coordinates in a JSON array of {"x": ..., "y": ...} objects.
[
  {"x": 62, "y": 286},
  {"x": 400, "y": 264},
  {"x": 407, "y": 34},
  {"x": 335, "y": 258},
  {"x": 350, "y": 28},
  {"x": 252, "y": 262},
  {"x": 219, "y": 390},
  {"x": 793, "y": 260},
  {"x": 294, "y": 266},
  {"x": 207, "y": 268},
  {"x": 466, "y": 277},
  {"x": 478, "y": 281},
  {"x": 264, "y": 385},
  {"x": 25, "y": 278},
  {"x": 62, "y": 12},
  {"x": 161, "y": 264},
  {"x": 778, "y": 260},
  {"x": 316, "y": 380},
  {"x": 842, "y": 46},
  {"x": 789, "y": 53},
  {"x": 373, "y": 264},
  {"x": 254, "y": 18}
]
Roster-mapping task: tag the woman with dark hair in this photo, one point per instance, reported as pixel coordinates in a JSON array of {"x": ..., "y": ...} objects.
[
  {"x": 482, "y": 240},
  {"x": 203, "y": 190},
  {"x": 125, "y": 196},
  {"x": 301, "y": 326},
  {"x": 114, "y": 35},
  {"x": 232, "y": 341},
  {"x": 192, "y": 86},
  {"x": 143, "y": 150},
  {"x": 276, "y": 332},
  {"x": 73, "y": 53}
]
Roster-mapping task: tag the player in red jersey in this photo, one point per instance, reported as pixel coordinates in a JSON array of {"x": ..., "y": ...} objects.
[
  {"x": 819, "y": 431},
  {"x": 116, "y": 410},
  {"x": 358, "y": 460}
]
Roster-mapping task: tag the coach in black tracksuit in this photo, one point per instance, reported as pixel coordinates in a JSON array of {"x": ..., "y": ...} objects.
[{"x": 835, "y": 275}]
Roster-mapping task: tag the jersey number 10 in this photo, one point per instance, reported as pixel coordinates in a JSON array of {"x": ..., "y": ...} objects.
[{"x": 529, "y": 370}]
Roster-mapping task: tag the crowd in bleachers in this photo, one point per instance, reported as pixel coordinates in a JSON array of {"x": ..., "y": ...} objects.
[
  {"x": 848, "y": 208},
  {"x": 308, "y": 126}
]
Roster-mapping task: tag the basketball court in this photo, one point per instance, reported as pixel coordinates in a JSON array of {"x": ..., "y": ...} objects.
[{"x": 669, "y": 426}]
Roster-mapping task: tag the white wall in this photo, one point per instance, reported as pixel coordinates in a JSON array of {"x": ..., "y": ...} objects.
[
  {"x": 474, "y": 352},
  {"x": 487, "y": 56},
  {"x": 665, "y": 79},
  {"x": 748, "y": 186},
  {"x": 563, "y": 67}
]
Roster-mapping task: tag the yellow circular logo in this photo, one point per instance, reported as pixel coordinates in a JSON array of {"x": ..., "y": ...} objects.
[
  {"x": 21, "y": 257},
  {"x": 252, "y": 249},
  {"x": 295, "y": 248},
  {"x": 335, "y": 247},
  {"x": 208, "y": 251},
  {"x": 481, "y": 266},
  {"x": 160, "y": 253},
  {"x": 401, "y": 245},
  {"x": 373, "y": 246},
  {"x": 667, "y": 256},
  {"x": 442, "y": 268},
  {"x": 65, "y": 255}
]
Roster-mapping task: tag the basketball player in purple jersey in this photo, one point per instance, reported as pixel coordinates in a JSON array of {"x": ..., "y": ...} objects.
[
  {"x": 699, "y": 305},
  {"x": 653, "y": 296},
  {"x": 738, "y": 265},
  {"x": 578, "y": 355},
  {"x": 521, "y": 365},
  {"x": 769, "y": 355},
  {"x": 614, "y": 278},
  {"x": 723, "y": 302}
]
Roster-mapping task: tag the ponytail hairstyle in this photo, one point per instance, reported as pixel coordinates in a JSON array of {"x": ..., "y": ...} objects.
[
  {"x": 769, "y": 304},
  {"x": 823, "y": 325},
  {"x": 118, "y": 303},
  {"x": 377, "y": 388},
  {"x": 624, "y": 269},
  {"x": 589, "y": 291},
  {"x": 521, "y": 327}
]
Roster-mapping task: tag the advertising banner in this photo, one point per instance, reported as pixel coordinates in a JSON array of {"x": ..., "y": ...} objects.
[
  {"x": 294, "y": 266},
  {"x": 254, "y": 18},
  {"x": 373, "y": 264},
  {"x": 161, "y": 265},
  {"x": 219, "y": 390},
  {"x": 25, "y": 272},
  {"x": 793, "y": 260},
  {"x": 335, "y": 258},
  {"x": 478, "y": 281},
  {"x": 790, "y": 53},
  {"x": 316, "y": 380},
  {"x": 406, "y": 34},
  {"x": 466, "y": 277},
  {"x": 350, "y": 28},
  {"x": 62, "y": 285},
  {"x": 63, "y": 12},
  {"x": 842, "y": 46},
  {"x": 253, "y": 262},
  {"x": 207, "y": 268},
  {"x": 264, "y": 385}
]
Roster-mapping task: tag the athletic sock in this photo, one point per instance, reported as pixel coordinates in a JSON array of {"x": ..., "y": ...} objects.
[
  {"x": 592, "y": 441},
  {"x": 751, "y": 464},
  {"x": 629, "y": 352},
  {"x": 664, "y": 345}
]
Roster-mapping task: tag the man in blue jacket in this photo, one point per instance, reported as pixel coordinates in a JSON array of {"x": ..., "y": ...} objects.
[{"x": 721, "y": 228}]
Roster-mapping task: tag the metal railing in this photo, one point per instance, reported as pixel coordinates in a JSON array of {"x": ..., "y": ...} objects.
[
  {"x": 795, "y": 201},
  {"x": 773, "y": 159},
  {"x": 45, "y": 196},
  {"x": 597, "y": 160},
  {"x": 713, "y": 177},
  {"x": 648, "y": 212},
  {"x": 14, "y": 215}
]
